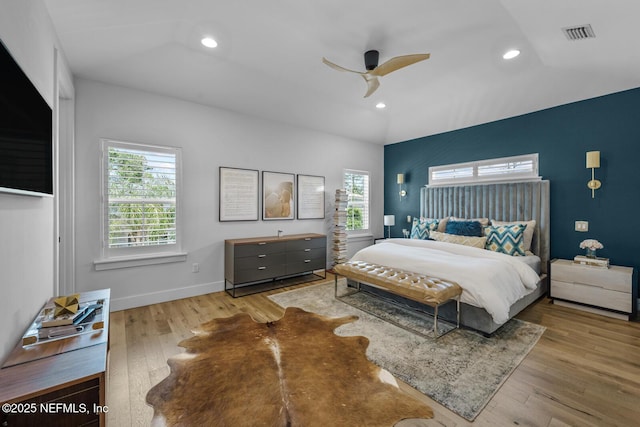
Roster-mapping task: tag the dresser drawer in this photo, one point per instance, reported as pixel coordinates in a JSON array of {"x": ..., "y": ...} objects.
[
  {"x": 309, "y": 253},
  {"x": 592, "y": 295},
  {"x": 305, "y": 265},
  {"x": 259, "y": 273},
  {"x": 614, "y": 278},
  {"x": 306, "y": 243},
  {"x": 259, "y": 248},
  {"x": 261, "y": 260}
]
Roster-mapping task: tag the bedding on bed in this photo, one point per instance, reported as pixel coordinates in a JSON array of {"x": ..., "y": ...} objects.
[{"x": 490, "y": 280}]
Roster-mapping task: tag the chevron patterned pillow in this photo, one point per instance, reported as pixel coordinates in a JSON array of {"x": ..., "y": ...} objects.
[
  {"x": 507, "y": 239},
  {"x": 420, "y": 228}
]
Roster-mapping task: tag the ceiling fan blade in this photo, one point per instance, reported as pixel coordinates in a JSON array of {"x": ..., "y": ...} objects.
[
  {"x": 337, "y": 67},
  {"x": 372, "y": 84},
  {"x": 398, "y": 62}
]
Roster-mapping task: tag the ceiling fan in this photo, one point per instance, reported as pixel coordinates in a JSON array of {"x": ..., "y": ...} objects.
[{"x": 374, "y": 70}]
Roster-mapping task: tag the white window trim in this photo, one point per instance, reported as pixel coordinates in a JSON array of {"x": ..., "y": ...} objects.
[
  {"x": 364, "y": 232},
  {"x": 146, "y": 255},
  {"x": 475, "y": 178}
]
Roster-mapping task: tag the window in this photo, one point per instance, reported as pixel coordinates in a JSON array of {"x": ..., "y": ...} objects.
[
  {"x": 357, "y": 185},
  {"x": 140, "y": 201},
  {"x": 516, "y": 168}
]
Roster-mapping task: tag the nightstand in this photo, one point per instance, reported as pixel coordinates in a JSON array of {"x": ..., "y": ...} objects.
[{"x": 606, "y": 291}]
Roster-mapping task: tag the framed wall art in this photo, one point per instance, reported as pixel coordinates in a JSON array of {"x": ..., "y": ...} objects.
[
  {"x": 239, "y": 195},
  {"x": 278, "y": 196},
  {"x": 310, "y": 197}
]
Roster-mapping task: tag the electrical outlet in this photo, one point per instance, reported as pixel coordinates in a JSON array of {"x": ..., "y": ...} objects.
[
  {"x": 195, "y": 267},
  {"x": 582, "y": 226}
]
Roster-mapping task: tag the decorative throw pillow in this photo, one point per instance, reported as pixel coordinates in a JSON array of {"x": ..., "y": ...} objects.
[
  {"x": 528, "y": 232},
  {"x": 483, "y": 221},
  {"x": 507, "y": 239},
  {"x": 476, "y": 242},
  {"x": 464, "y": 228},
  {"x": 420, "y": 228}
]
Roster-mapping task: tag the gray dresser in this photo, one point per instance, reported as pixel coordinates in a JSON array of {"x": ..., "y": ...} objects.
[{"x": 267, "y": 259}]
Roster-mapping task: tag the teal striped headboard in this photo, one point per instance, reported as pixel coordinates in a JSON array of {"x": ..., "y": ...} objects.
[{"x": 516, "y": 201}]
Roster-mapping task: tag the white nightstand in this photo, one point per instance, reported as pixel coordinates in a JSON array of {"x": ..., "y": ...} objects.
[{"x": 602, "y": 289}]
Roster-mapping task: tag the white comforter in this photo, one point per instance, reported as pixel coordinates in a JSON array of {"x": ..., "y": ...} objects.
[{"x": 489, "y": 279}]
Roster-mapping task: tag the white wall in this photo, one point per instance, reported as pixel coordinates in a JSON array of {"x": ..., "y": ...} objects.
[
  {"x": 27, "y": 223},
  {"x": 209, "y": 138}
]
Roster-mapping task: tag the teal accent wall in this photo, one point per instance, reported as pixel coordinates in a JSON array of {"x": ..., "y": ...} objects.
[{"x": 561, "y": 135}]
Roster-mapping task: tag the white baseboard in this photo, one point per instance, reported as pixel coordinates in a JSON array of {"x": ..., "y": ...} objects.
[{"x": 133, "y": 301}]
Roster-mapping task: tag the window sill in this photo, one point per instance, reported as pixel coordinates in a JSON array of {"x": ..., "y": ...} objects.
[{"x": 125, "y": 262}]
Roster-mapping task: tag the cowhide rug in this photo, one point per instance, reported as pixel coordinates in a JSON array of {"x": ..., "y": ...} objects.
[{"x": 291, "y": 372}]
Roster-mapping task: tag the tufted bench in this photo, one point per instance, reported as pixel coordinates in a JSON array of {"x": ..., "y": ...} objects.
[{"x": 414, "y": 286}]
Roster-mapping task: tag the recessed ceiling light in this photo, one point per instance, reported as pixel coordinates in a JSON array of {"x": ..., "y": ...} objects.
[
  {"x": 209, "y": 42},
  {"x": 511, "y": 54},
  {"x": 380, "y": 105}
]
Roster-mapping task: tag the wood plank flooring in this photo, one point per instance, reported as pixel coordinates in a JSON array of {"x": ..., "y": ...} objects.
[{"x": 584, "y": 371}]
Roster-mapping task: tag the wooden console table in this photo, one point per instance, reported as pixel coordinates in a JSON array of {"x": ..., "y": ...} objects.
[{"x": 58, "y": 383}]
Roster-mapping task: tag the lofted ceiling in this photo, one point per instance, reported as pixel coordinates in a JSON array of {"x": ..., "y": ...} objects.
[{"x": 268, "y": 62}]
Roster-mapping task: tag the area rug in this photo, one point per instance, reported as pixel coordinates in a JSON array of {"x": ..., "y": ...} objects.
[{"x": 461, "y": 370}]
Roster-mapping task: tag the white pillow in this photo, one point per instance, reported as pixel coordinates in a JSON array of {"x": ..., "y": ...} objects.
[
  {"x": 476, "y": 242},
  {"x": 528, "y": 231}
]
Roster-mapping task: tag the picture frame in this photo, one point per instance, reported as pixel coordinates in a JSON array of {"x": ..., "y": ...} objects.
[
  {"x": 239, "y": 196},
  {"x": 278, "y": 196},
  {"x": 311, "y": 197}
]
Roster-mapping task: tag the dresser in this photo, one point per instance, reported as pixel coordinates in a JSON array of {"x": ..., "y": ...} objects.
[
  {"x": 259, "y": 260},
  {"x": 61, "y": 382},
  {"x": 606, "y": 291}
]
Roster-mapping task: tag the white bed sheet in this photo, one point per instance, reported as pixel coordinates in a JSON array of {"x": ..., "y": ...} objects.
[{"x": 489, "y": 280}]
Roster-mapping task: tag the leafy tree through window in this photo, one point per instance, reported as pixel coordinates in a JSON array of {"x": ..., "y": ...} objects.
[{"x": 357, "y": 185}]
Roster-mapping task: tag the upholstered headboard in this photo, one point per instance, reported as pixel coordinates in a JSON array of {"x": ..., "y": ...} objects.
[{"x": 518, "y": 201}]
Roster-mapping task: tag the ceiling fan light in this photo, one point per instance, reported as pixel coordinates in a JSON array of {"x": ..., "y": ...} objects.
[
  {"x": 510, "y": 54},
  {"x": 209, "y": 42}
]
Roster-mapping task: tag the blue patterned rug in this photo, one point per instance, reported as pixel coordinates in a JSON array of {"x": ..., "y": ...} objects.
[{"x": 461, "y": 370}]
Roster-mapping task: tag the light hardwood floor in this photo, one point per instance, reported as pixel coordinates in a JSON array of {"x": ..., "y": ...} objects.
[{"x": 584, "y": 371}]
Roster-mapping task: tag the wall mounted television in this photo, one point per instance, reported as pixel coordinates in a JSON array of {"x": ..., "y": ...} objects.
[{"x": 26, "y": 138}]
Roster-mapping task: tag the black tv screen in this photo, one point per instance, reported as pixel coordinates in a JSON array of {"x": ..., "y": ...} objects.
[{"x": 26, "y": 146}]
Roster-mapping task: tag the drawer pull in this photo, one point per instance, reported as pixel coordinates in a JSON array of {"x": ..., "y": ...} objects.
[
  {"x": 307, "y": 260},
  {"x": 262, "y": 243},
  {"x": 307, "y": 250},
  {"x": 262, "y": 268},
  {"x": 261, "y": 256}
]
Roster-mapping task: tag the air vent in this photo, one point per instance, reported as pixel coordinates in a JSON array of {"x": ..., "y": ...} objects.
[{"x": 579, "y": 33}]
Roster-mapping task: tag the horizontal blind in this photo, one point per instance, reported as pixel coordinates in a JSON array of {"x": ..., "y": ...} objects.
[
  {"x": 505, "y": 169},
  {"x": 141, "y": 191},
  {"x": 357, "y": 185}
]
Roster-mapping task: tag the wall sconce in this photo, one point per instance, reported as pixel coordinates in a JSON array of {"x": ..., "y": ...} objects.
[
  {"x": 389, "y": 220},
  {"x": 401, "y": 189},
  {"x": 593, "y": 162}
]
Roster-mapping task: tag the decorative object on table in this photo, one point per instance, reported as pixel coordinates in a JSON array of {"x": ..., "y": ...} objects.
[
  {"x": 592, "y": 262},
  {"x": 389, "y": 221},
  {"x": 401, "y": 191},
  {"x": 239, "y": 194},
  {"x": 593, "y": 162},
  {"x": 591, "y": 245},
  {"x": 310, "y": 197},
  {"x": 66, "y": 305},
  {"x": 339, "y": 246},
  {"x": 278, "y": 196},
  {"x": 462, "y": 371},
  {"x": 298, "y": 373}
]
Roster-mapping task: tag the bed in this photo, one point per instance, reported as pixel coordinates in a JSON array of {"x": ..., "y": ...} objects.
[{"x": 495, "y": 286}]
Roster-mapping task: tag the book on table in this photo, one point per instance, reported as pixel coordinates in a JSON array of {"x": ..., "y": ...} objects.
[{"x": 47, "y": 327}]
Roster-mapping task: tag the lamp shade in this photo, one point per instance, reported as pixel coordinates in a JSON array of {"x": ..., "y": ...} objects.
[
  {"x": 389, "y": 220},
  {"x": 593, "y": 159},
  {"x": 400, "y": 178}
]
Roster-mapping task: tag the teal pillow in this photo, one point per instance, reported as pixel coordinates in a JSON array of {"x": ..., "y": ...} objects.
[
  {"x": 420, "y": 228},
  {"x": 507, "y": 239},
  {"x": 464, "y": 228}
]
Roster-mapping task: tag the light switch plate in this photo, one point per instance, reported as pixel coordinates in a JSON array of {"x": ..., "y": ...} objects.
[{"x": 582, "y": 226}]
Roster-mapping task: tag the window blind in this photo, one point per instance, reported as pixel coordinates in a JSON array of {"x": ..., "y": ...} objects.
[
  {"x": 357, "y": 185},
  {"x": 505, "y": 169}
]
